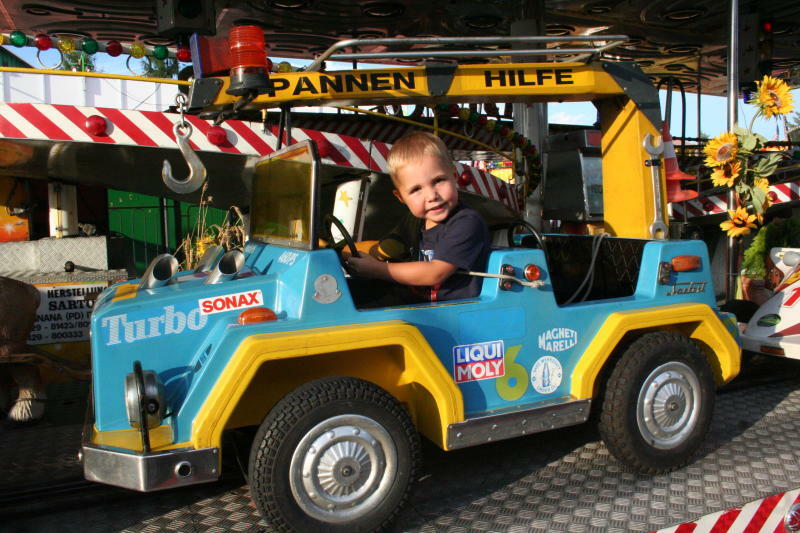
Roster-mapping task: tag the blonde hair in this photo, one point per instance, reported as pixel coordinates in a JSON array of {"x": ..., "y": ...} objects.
[{"x": 412, "y": 147}]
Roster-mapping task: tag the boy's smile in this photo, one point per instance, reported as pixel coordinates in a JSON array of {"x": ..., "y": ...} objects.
[{"x": 428, "y": 188}]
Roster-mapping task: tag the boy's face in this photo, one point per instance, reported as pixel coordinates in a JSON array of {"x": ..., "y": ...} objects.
[{"x": 428, "y": 188}]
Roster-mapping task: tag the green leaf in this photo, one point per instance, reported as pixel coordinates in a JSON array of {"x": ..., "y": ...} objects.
[
  {"x": 748, "y": 141},
  {"x": 775, "y": 156},
  {"x": 769, "y": 167},
  {"x": 741, "y": 132},
  {"x": 759, "y": 199},
  {"x": 743, "y": 190}
]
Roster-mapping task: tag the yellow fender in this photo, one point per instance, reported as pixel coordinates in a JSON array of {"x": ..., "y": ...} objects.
[
  {"x": 419, "y": 380},
  {"x": 697, "y": 321}
]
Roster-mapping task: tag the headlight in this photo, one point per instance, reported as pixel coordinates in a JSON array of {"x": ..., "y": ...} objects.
[{"x": 152, "y": 399}]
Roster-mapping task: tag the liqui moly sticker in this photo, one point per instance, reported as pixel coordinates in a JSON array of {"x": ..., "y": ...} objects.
[
  {"x": 230, "y": 302},
  {"x": 482, "y": 360}
]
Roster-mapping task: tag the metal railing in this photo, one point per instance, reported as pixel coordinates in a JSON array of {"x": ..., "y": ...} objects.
[{"x": 610, "y": 41}]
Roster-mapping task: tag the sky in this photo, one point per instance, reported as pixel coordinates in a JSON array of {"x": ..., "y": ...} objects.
[{"x": 714, "y": 109}]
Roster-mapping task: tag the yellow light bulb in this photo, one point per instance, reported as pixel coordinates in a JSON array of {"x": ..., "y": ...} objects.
[
  {"x": 3, "y": 39},
  {"x": 284, "y": 66},
  {"x": 137, "y": 50},
  {"x": 66, "y": 45}
]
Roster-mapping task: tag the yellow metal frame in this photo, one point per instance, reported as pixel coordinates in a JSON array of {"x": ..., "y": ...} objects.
[
  {"x": 697, "y": 321},
  {"x": 628, "y": 194},
  {"x": 505, "y": 82},
  {"x": 626, "y": 179},
  {"x": 417, "y": 378}
]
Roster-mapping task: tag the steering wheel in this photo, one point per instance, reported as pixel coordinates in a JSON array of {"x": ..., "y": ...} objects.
[
  {"x": 527, "y": 226},
  {"x": 331, "y": 220}
]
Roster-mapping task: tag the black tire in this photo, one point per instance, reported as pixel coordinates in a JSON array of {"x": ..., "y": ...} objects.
[
  {"x": 350, "y": 436},
  {"x": 658, "y": 403}
]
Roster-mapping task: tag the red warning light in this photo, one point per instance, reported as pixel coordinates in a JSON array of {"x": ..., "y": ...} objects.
[{"x": 767, "y": 26}]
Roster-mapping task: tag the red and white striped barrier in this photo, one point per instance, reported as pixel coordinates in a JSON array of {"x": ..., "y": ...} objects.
[
  {"x": 761, "y": 516},
  {"x": 712, "y": 205},
  {"x": 150, "y": 128}
]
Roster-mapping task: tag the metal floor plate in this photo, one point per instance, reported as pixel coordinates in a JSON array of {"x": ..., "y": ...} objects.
[{"x": 564, "y": 480}]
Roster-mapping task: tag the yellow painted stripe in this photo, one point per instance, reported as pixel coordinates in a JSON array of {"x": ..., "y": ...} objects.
[
  {"x": 701, "y": 322},
  {"x": 23, "y": 70},
  {"x": 422, "y": 367},
  {"x": 131, "y": 439},
  {"x": 123, "y": 292}
]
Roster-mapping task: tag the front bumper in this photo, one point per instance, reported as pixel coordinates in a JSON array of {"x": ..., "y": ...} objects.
[
  {"x": 790, "y": 348},
  {"x": 145, "y": 472}
]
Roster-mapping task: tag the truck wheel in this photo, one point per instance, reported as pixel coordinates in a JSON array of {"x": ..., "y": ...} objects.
[
  {"x": 335, "y": 455},
  {"x": 658, "y": 403}
]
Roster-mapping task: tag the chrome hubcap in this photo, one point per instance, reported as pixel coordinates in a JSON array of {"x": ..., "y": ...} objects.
[
  {"x": 342, "y": 468},
  {"x": 668, "y": 406}
]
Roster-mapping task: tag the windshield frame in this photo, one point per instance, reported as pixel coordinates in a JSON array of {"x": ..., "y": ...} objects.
[{"x": 311, "y": 242}]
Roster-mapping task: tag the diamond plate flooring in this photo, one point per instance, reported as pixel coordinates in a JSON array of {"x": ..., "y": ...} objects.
[{"x": 564, "y": 480}]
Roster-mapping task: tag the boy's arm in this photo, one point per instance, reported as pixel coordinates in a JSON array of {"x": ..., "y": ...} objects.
[{"x": 418, "y": 273}]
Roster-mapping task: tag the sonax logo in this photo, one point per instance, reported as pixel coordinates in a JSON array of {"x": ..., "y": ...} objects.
[{"x": 230, "y": 302}]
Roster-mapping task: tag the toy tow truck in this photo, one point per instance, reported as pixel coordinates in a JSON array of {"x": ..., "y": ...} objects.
[{"x": 623, "y": 323}]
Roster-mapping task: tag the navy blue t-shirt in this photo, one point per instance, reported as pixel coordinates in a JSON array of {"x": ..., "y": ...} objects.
[{"x": 461, "y": 240}]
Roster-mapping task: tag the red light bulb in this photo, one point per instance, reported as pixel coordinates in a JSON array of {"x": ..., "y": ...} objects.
[
  {"x": 183, "y": 53},
  {"x": 43, "y": 42},
  {"x": 96, "y": 125},
  {"x": 465, "y": 178},
  {"x": 217, "y": 136},
  {"x": 113, "y": 48}
]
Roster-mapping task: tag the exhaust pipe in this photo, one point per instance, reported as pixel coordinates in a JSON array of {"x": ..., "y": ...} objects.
[
  {"x": 227, "y": 267},
  {"x": 210, "y": 257},
  {"x": 159, "y": 272}
]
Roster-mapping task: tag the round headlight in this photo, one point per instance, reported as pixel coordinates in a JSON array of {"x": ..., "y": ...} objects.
[{"x": 155, "y": 405}]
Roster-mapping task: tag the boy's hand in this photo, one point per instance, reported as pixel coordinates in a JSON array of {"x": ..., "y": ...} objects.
[{"x": 364, "y": 266}]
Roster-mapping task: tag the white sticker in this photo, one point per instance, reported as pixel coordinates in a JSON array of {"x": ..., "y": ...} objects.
[
  {"x": 288, "y": 258},
  {"x": 558, "y": 339},
  {"x": 121, "y": 329},
  {"x": 230, "y": 302},
  {"x": 546, "y": 374}
]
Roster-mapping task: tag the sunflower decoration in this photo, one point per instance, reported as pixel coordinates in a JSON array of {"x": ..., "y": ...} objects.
[
  {"x": 740, "y": 222},
  {"x": 722, "y": 150},
  {"x": 774, "y": 97},
  {"x": 725, "y": 176},
  {"x": 738, "y": 159}
]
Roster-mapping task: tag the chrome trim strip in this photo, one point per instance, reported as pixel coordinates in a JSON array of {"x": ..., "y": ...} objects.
[{"x": 515, "y": 424}]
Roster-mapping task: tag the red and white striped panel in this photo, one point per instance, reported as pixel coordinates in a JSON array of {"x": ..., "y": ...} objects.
[
  {"x": 711, "y": 205},
  {"x": 760, "y": 516},
  {"x": 488, "y": 185},
  {"x": 150, "y": 128}
]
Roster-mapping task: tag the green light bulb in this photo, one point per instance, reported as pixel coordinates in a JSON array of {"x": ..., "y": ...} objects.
[
  {"x": 18, "y": 39},
  {"x": 160, "y": 51},
  {"x": 89, "y": 45}
]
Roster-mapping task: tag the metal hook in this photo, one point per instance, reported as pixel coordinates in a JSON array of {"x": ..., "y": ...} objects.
[{"x": 197, "y": 171}]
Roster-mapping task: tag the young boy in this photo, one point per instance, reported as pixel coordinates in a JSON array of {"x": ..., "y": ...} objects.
[{"x": 452, "y": 236}]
